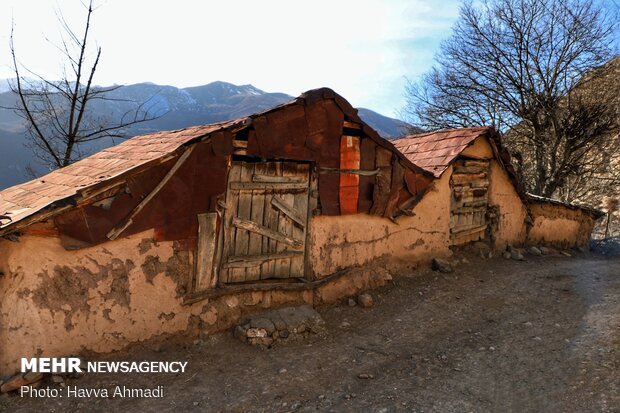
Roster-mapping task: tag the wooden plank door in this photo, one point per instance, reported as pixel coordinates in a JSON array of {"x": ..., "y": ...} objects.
[
  {"x": 265, "y": 221},
  {"x": 470, "y": 200}
]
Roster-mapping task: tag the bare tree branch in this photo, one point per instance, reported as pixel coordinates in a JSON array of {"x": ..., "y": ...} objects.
[
  {"x": 520, "y": 65},
  {"x": 61, "y": 116}
]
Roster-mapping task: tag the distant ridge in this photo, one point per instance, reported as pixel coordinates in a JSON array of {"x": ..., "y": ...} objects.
[{"x": 182, "y": 107}]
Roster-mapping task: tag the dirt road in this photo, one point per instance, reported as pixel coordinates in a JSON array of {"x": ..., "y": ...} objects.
[{"x": 495, "y": 335}]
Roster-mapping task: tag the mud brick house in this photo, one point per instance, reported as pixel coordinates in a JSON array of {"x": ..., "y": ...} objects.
[
  {"x": 185, "y": 231},
  {"x": 188, "y": 229},
  {"x": 475, "y": 179}
]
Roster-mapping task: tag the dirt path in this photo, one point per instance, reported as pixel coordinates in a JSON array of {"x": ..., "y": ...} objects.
[{"x": 495, "y": 335}]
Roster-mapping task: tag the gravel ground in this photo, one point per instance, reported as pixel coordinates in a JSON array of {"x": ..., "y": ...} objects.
[{"x": 494, "y": 335}]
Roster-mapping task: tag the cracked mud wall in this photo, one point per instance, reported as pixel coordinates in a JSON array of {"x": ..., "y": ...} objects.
[
  {"x": 339, "y": 242},
  {"x": 59, "y": 302},
  {"x": 559, "y": 225}
]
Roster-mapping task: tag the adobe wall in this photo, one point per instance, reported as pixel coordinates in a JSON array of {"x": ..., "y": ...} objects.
[
  {"x": 55, "y": 302},
  {"x": 338, "y": 242},
  {"x": 511, "y": 227},
  {"x": 559, "y": 225}
]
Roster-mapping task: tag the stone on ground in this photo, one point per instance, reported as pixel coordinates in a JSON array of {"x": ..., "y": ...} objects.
[
  {"x": 441, "y": 265},
  {"x": 365, "y": 300},
  {"x": 516, "y": 255},
  {"x": 534, "y": 251}
]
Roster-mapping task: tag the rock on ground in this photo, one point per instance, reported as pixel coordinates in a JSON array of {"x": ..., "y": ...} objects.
[
  {"x": 441, "y": 265},
  {"x": 365, "y": 300}
]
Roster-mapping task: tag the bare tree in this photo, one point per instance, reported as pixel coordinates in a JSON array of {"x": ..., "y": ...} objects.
[
  {"x": 59, "y": 114},
  {"x": 516, "y": 65}
]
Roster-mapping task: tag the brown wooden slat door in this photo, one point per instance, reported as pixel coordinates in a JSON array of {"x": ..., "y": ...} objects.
[
  {"x": 470, "y": 185},
  {"x": 265, "y": 221}
]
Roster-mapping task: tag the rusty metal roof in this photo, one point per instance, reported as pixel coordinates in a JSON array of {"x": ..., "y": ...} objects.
[
  {"x": 435, "y": 151},
  {"x": 77, "y": 182},
  {"x": 21, "y": 201}
]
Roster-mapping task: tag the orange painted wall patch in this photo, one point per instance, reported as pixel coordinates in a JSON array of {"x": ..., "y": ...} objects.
[{"x": 349, "y": 183}]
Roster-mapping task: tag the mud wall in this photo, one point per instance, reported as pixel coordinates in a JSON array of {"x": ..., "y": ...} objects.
[
  {"x": 55, "y": 302},
  {"x": 559, "y": 225},
  {"x": 356, "y": 240},
  {"x": 511, "y": 227}
]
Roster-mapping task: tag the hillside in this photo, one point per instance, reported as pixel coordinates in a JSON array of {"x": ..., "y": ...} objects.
[{"x": 179, "y": 108}]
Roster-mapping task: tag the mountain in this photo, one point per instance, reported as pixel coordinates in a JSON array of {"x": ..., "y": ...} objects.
[{"x": 179, "y": 108}]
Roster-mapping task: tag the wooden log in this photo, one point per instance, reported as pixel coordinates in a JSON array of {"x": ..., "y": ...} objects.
[
  {"x": 259, "y": 229},
  {"x": 466, "y": 230},
  {"x": 240, "y": 261},
  {"x": 483, "y": 183},
  {"x": 268, "y": 186},
  {"x": 476, "y": 203},
  {"x": 277, "y": 179},
  {"x": 118, "y": 230},
  {"x": 350, "y": 171},
  {"x": 207, "y": 224},
  {"x": 461, "y": 169},
  {"x": 461, "y": 179},
  {"x": 470, "y": 209},
  {"x": 290, "y": 212},
  {"x": 481, "y": 163}
]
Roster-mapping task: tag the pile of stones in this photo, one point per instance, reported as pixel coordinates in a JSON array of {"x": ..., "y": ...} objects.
[{"x": 282, "y": 324}]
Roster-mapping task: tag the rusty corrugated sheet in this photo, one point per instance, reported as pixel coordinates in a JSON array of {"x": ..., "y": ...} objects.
[{"x": 309, "y": 128}]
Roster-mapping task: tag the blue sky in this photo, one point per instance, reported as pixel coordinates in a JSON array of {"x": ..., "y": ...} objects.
[{"x": 362, "y": 49}]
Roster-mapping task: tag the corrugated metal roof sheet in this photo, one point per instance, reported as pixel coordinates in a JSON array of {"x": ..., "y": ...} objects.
[{"x": 435, "y": 151}]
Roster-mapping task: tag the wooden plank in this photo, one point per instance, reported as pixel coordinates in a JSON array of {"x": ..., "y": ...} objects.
[
  {"x": 257, "y": 215},
  {"x": 229, "y": 213},
  {"x": 244, "y": 209},
  {"x": 254, "y": 260},
  {"x": 360, "y": 172},
  {"x": 239, "y": 144},
  {"x": 313, "y": 195},
  {"x": 470, "y": 229},
  {"x": 277, "y": 179},
  {"x": 118, "y": 229},
  {"x": 271, "y": 222},
  {"x": 300, "y": 204},
  {"x": 351, "y": 125},
  {"x": 207, "y": 235},
  {"x": 260, "y": 229},
  {"x": 289, "y": 211},
  {"x": 285, "y": 224},
  {"x": 268, "y": 186}
]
